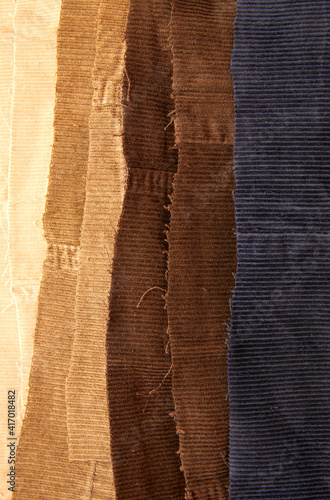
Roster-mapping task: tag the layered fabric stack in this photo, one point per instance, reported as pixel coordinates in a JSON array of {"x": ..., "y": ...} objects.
[{"x": 172, "y": 329}]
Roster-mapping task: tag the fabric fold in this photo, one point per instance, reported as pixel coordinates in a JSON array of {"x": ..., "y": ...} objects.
[
  {"x": 43, "y": 469},
  {"x": 279, "y": 344},
  {"x": 202, "y": 244},
  {"x": 86, "y": 389},
  {"x": 144, "y": 443}
]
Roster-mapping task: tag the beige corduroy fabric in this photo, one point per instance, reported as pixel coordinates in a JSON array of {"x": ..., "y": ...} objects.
[
  {"x": 44, "y": 471},
  {"x": 9, "y": 342},
  {"x": 86, "y": 393},
  {"x": 35, "y": 27}
]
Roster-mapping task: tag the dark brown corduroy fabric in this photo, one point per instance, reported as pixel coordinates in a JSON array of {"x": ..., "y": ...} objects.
[
  {"x": 202, "y": 246},
  {"x": 144, "y": 442}
]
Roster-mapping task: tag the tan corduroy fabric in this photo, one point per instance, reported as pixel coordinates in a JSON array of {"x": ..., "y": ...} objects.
[
  {"x": 35, "y": 27},
  {"x": 44, "y": 471},
  {"x": 9, "y": 346},
  {"x": 86, "y": 393}
]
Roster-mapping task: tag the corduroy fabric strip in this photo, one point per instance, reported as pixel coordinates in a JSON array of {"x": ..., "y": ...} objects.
[
  {"x": 202, "y": 245},
  {"x": 143, "y": 438},
  {"x": 65, "y": 201},
  {"x": 144, "y": 443},
  {"x": 86, "y": 390},
  {"x": 9, "y": 341},
  {"x": 279, "y": 345},
  {"x": 31, "y": 140},
  {"x": 43, "y": 469}
]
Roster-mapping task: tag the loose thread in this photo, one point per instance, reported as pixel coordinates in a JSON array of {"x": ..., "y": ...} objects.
[
  {"x": 155, "y": 389},
  {"x": 225, "y": 461},
  {"x": 129, "y": 86},
  {"x": 147, "y": 291},
  {"x": 127, "y": 106},
  {"x": 7, "y": 307},
  {"x": 164, "y": 378}
]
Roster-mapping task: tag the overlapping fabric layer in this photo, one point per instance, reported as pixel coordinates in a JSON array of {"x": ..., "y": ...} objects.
[
  {"x": 279, "y": 346},
  {"x": 9, "y": 339},
  {"x": 202, "y": 246},
  {"x": 31, "y": 145},
  {"x": 86, "y": 389},
  {"x": 144, "y": 442},
  {"x": 43, "y": 469}
]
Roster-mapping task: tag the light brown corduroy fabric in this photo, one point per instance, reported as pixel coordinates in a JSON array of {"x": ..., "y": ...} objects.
[
  {"x": 9, "y": 342},
  {"x": 32, "y": 131},
  {"x": 86, "y": 390},
  {"x": 44, "y": 471},
  {"x": 202, "y": 247}
]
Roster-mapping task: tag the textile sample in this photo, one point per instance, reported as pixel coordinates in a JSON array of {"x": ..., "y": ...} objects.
[
  {"x": 144, "y": 443},
  {"x": 279, "y": 344},
  {"x": 202, "y": 244}
]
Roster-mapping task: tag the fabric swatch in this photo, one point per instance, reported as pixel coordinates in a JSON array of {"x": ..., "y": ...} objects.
[
  {"x": 279, "y": 343},
  {"x": 35, "y": 26},
  {"x": 9, "y": 341},
  {"x": 202, "y": 244},
  {"x": 144, "y": 443},
  {"x": 44, "y": 471},
  {"x": 86, "y": 390}
]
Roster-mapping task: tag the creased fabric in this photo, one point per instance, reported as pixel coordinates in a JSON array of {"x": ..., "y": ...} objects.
[
  {"x": 202, "y": 251},
  {"x": 9, "y": 341},
  {"x": 35, "y": 28},
  {"x": 279, "y": 343},
  {"x": 86, "y": 390},
  {"x": 43, "y": 469},
  {"x": 144, "y": 443}
]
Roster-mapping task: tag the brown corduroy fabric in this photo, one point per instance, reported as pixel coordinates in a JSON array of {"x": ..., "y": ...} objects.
[
  {"x": 144, "y": 443},
  {"x": 202, "y": 247},
  {"x": 43, "y": 469}
]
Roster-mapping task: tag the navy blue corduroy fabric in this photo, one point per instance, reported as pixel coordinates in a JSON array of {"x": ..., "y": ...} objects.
[{"x": 279, "y": 353}]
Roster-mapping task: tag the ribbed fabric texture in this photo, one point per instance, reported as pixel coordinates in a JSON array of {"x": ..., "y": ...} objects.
[
  {"x": 76, "y": 39},
  {"x": 176, "y": 224},
  {"x": 279, "y": 344},
  {"x": 43, "y": 469},
  {"x": 31, "y": 144},
  {"x": 144, "y": 443},
  {"x": 86, "y": 390},
  {"x": 9, "y": 341},
  {"x": 202, "y": 252}
]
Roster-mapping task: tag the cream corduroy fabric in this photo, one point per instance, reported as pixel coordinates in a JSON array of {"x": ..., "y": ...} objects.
[
  {"x": 35, "y": 25},
  {"x": 9, "y": 345}
]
